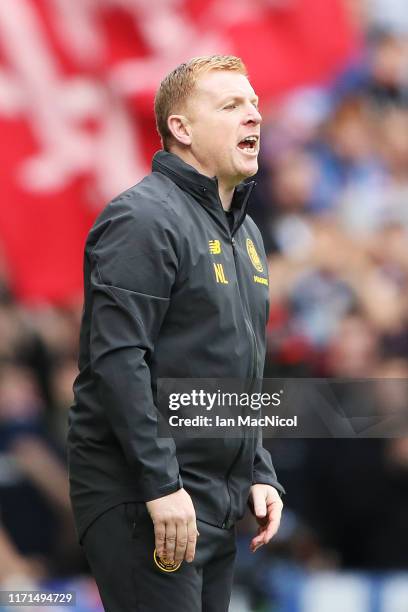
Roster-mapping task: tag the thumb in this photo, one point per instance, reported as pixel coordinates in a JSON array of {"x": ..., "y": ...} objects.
[{"x": 259, "y": 504}]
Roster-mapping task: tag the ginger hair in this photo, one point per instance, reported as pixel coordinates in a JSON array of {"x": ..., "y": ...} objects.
[{"x": 179, "y": 84}]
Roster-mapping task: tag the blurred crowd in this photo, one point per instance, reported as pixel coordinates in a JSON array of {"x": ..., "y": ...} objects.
[
  {"x": 332, "y": 204},
  {"x": 333, "y": 209},
  {"x": 38, "y": 362}
]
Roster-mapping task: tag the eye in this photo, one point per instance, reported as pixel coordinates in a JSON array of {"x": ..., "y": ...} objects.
[{"x": 232, "y": 105}]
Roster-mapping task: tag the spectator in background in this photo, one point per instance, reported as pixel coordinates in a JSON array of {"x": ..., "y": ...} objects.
[
  {"x": 16, "y": 570},
  {"x": 335, "y": 208},
  {"x": 32, "y": 476}
]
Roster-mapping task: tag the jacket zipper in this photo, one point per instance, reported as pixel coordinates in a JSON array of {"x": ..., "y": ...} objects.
[
  {"x": 253, "y": 375},
  {"x": 247, "y": 322},
  {"x": 253, "y": 345}
]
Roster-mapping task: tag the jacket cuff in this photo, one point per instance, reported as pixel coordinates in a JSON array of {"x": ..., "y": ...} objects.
[
  {"x": 151, "y": 492},
  {"x": 262, "y": 479}
]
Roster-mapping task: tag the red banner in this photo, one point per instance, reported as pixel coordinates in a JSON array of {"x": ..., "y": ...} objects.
[{"x": 76, "y": 87}]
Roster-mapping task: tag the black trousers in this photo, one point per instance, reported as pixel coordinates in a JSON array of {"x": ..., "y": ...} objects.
[{"x": 119, "y": 547}]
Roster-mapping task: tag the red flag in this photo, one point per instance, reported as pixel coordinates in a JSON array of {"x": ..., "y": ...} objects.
[
  {"x": 295, "y": 43},
  {"x": 76, "y": 105}
]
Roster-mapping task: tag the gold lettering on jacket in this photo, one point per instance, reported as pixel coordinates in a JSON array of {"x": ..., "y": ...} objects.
[
  {"x": 220, "y": 274},
  {"x": 261, "y": 280}
]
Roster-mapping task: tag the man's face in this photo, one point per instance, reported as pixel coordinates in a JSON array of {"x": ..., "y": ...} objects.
[{"x": 223, "y": 113}]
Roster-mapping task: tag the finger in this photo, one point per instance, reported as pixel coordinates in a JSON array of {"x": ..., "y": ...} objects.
[
  {"x": 255, "y": 544},
  {"x": 274, "y": 517},
  {"x": 160, "y": 537},
  {"x": 181, "y": 541},
  {"x": 262, "y": 521},
  {"x": 192, "y": 534},
  {"x": 258, "y": 540},
  {"x": 171, "y": 536},
  {"x": 271, "y": 531},
  {"x": 258, "y": 499}
]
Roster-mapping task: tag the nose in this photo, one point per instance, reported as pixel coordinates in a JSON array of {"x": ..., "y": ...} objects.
[{"x": 253, "y": 117}]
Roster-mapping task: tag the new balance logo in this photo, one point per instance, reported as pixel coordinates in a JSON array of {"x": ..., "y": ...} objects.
[
  {"x": 215, "y": 247},
  {"x": 219, "y": 274}
]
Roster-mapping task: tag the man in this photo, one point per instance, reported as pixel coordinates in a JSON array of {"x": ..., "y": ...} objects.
[{"x": 175, "y": 287}]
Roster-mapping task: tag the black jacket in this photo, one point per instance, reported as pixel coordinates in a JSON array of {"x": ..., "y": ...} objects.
[{"x": 158, "y": 305}]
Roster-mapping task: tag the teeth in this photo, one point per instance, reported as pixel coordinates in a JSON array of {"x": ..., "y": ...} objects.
[{"x": 252, "y": 141}]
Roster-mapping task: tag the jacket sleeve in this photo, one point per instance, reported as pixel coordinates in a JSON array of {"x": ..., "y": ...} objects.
[
  {"x": 133, "y": 267},
  {"x": 263, "y": 470}
]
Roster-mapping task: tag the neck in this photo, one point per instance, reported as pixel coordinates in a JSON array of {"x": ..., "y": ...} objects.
[
  {"x": 226, "y": 194},
  {"x": 225, "y": 191}
]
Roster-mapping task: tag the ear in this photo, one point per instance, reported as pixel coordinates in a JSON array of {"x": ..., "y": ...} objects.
[{"x": 180, "y": 128}]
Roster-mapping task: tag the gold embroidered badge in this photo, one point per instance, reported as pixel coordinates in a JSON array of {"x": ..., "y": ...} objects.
[
  {"x": 253, "y": 255},
  {"x": 165, "y": 565}
]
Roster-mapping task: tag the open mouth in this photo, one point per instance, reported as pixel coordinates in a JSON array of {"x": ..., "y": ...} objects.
[{"x": 249, "y": 144}]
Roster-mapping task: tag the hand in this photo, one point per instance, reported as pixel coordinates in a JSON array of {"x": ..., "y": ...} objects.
[
  {"x": 175, "y": 526},
  {"x": 266, "y": 505}
]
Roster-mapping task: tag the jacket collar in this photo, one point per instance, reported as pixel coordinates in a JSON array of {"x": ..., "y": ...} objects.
[{"x": 202, "y": 188}]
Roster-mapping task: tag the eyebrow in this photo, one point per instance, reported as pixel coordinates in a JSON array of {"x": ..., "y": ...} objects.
[{"x": 237, "y": 97}]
